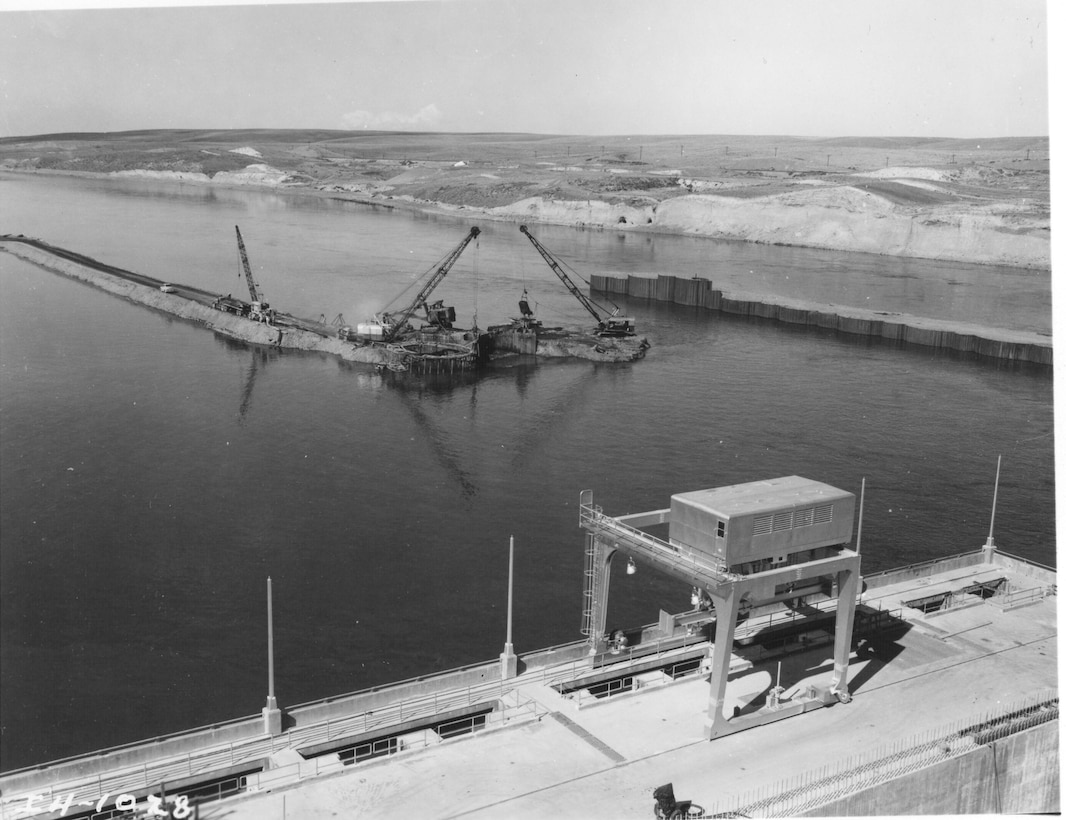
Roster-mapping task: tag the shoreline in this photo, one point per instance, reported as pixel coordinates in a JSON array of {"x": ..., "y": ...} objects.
[{"x": 815, "y": 218}]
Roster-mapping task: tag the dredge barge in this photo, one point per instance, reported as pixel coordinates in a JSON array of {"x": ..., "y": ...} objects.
[
  {"x": 437, "y": 346},
  {"x": 614, "y": 338},
  {"x": 929, "y": 689}
]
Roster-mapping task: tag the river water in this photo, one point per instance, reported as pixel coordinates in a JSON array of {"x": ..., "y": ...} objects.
[{"x": 152, "y": 475}]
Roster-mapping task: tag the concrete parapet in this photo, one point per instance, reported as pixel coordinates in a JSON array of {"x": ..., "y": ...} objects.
[
  {"x": 369, "y": 700},
  {"x": 39, "y": 778},
  {"x": 989, "y": 343},
  {"x": 924, "y": 569}
]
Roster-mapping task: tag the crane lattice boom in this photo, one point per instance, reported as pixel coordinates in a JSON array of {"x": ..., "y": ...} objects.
[
  {"x": 252, "y": 289},
  {"x": 420, "y": 300},
  {"x": 612, "y": 325}
]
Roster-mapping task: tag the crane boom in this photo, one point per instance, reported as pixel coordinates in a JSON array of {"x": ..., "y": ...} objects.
[
  {"x": 438, "y": 276},
  {"x": 252, "y": 289},
  {"x": 566, "y": 280},
  {"x": 612, "y": 325}
]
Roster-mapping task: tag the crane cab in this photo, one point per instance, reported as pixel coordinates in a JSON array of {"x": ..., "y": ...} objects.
[
  {"x": 261, "y": 312},
  {"x": 617, "y": 326},
  {"x": 439, "y": 315}
]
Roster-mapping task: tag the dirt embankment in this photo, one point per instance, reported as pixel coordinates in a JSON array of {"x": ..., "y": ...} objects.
[
  {"x": 955, "y": 200},
  {"x": 226, "y": 324}
]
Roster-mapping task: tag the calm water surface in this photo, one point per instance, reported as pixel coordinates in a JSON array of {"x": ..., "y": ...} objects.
[{"x": 152, "y": 475}]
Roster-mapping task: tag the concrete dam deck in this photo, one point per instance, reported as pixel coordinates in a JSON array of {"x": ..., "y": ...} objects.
[{"x": 955, "y": 711}]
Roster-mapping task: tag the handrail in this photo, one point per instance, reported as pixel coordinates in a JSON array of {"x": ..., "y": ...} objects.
[
  {"x": 917, "y": 564},
  {"x": 593, "y": 518},
  {"x": 256, "y": 719}
]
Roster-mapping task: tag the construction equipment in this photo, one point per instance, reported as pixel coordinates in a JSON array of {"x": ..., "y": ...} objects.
[
  {"x": 259, "y": 310},
  {"x": 389, "y": 326},
  {"x": 611, "y": 325}
]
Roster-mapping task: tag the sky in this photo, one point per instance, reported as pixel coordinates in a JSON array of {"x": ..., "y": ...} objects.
[{"x": 937, "y": 68}]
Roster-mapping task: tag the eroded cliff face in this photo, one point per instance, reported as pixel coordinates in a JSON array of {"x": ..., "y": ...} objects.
[{"x": 833, "y": 218}]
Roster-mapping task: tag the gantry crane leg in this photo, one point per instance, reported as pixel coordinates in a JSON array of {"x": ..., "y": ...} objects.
[
  {"x": 847, "y": 594},
  {"x": 726, "y": 608},
  {"x": 598, "y": 585}
]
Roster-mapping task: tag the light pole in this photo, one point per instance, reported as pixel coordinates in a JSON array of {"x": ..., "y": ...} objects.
[
  {"x": 508, "y": 659},
  {"x": 271, "y": 712}
]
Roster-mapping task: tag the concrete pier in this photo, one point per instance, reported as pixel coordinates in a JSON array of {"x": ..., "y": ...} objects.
[{"x": 899, "y": 328}]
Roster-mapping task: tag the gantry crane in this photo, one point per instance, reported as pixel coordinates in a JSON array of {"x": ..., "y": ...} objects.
[{"x": 612, "y": 325}]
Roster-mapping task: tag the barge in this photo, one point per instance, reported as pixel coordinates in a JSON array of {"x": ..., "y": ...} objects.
[{"x": 614, "y": 339}]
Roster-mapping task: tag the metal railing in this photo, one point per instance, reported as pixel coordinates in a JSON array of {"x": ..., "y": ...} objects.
[
  {"x": 593, "y": 519},
  {"x": 136, "y": 784},
  {"x": 1022, "y": 596},
  {"x": 600, "y": 692}
]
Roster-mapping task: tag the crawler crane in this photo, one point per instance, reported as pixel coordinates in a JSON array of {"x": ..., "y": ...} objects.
[
  {"x": 607, "y": 326},
  {"x": 257, "y": 309},
  {"x": 260, "y": 311},
  {"x": 390, "y": 326}
]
